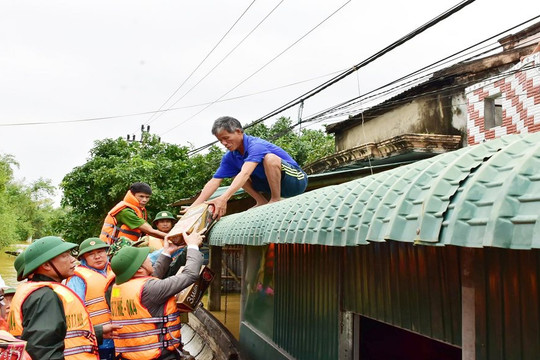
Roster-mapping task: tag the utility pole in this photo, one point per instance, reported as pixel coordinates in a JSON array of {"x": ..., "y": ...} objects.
[{"x": 144, "y": 129}]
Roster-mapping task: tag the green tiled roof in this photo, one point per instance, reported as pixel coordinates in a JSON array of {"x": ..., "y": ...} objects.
[{"x": 483, "y": 195}]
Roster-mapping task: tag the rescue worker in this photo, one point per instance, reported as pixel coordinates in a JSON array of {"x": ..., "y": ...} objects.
[
  {"x": 18, "y": 264},
  {"x": 8, "y": 297},
  {"x": 48, "y": 315},
  {"x": 92, "y": 279},
  {"x": 3, "y": 311},
  {"x": 128, "y": 217},
  {"x": 164, "y": 222},
  {"x": 145, "y": 305}
]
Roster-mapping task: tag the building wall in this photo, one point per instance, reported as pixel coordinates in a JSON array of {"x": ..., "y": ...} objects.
[
  {"x": 482, "y": 300},
  {"x": 417, "y": 288},
  {"x": 519, "y": 89},
  {"x": 433, "y": 114}
]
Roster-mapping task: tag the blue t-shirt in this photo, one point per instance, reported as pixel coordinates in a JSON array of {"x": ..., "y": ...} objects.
[{"x": 254, "y": 151}]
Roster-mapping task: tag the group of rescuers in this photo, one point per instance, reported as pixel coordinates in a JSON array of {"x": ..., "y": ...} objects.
[{"x": 124, "y": 307}]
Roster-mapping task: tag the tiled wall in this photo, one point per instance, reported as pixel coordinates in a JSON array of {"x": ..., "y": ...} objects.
[{"x": 520, "y": 91}]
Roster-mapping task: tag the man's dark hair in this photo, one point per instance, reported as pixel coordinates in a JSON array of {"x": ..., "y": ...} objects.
[
  {"x": 226, "y": 123},
  {"x": 140, "y": 187}
]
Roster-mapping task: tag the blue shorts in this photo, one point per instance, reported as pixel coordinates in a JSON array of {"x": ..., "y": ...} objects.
[{"x": 293, "y": 181}]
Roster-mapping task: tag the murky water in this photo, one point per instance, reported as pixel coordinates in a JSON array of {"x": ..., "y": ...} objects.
[{"x": 6, "y": 264}]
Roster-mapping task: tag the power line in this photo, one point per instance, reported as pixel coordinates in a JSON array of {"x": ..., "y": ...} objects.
[
  {"x": 203, "y": 60},
  {"x": 346, "y": 73},
  {"x": 486, "y": 49},
  {"x": 425, "y": 95},
  {"x": 265, "y": 65},
  {"x": 170, "y": 109},
  {"x": 227, "y": 55}
]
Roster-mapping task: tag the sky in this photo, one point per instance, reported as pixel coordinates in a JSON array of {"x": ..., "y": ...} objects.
[{"x": 65, "y": 63}]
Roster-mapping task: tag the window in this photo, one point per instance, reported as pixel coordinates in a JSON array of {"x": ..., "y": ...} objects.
[{"x": 492, "y": 111}]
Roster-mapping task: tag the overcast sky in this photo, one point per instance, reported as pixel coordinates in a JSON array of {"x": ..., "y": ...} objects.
[{"x": 75, "y": 60}]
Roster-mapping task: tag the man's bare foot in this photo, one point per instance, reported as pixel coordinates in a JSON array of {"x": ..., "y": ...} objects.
[
  {"x": 259, "y": 204},
  {"x": 273, "y": 200}
]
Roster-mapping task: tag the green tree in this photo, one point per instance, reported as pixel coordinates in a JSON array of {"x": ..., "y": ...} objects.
[
  {"x": 92, "y": 189},
  {"x": 24, "y": 209}
]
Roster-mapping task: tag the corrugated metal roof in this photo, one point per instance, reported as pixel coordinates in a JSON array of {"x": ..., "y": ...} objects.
[{"x": 483, "y": 195}]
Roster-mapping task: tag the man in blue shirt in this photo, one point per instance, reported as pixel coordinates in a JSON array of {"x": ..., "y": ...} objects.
[{"x": 257, "y": 166}]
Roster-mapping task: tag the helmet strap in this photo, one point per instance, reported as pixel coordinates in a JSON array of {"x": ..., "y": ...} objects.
[{"x": 56, "y": 270}]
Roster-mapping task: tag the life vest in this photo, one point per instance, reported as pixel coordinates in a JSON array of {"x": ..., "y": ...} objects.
[
  {"x": 96, "y": 286},
  {"x": 142, "y": 336},
  {"x": 111, "y": 232},
  {"x": 80, "y": 342}
]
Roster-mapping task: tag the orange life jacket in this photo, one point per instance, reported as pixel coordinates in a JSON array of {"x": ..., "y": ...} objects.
[
  {"x": 80, "y": 342},
  {"x": 111, "y": 232},
  {"x": 96, "y": 286},
  {"x": 142, "y": 336}
]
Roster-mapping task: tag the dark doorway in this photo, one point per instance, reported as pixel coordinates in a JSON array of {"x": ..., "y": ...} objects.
[{"x": 380, "y": 341}]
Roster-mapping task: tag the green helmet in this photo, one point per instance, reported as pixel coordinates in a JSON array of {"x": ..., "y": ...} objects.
[
  {"x": 18, "y": 264},
  {"x": 163, "y": 215},
  {"x": 9, "y": 291},
  {"x": 127, "y": 261},
  {"x": 43, "y": 250},
  {"x": 91, "y": 244}
]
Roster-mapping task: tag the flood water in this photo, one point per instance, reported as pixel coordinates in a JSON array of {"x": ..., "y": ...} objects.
[{"x": 6, "y": 264}]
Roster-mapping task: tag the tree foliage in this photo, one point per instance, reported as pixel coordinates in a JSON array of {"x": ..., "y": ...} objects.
[
  {"x": 91, "y": 190},
  {"x": 25, "y": 210}
]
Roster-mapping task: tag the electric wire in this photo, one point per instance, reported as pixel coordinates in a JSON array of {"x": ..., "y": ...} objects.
[
  {"x": 262, "y": 67},
  {"x": 351, "y": 70},
  {"x": 201, "y": 62},
  {"x": 226, "y": 56},
  {"x": 486, "y": 49},
  {"x": 393, "y": 90},
  {"x": 171, "y": 109}
]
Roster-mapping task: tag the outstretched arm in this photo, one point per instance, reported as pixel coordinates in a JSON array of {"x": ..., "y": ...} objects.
[
  {"x": 148, "y": 229},
  {"x": 220, "y": 203},
  {"x": 210, "y": 188}
]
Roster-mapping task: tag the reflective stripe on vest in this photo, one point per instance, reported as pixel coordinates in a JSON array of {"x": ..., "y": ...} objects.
[
  {"x": 142, "y": 335},
  {"x": 80, "y": 339},
  {"x": 111, "y": 232},
  {"x": 96, "y": 285}
]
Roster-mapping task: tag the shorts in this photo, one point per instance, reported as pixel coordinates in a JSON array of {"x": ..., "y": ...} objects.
[{"x": 293, "y": 181}]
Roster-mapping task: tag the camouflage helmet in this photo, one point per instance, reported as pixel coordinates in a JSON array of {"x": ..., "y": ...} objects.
[{"x": 119, "y": 244}]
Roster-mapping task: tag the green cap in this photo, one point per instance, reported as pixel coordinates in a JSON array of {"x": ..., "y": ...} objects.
[
  {"x": 18, "y": 264},
  {"x": 43, "y": 250},
  {"x": 127, "y": 261},
  {"x": 163, "y": 215},
  {"x": 91, "y": 244}
]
